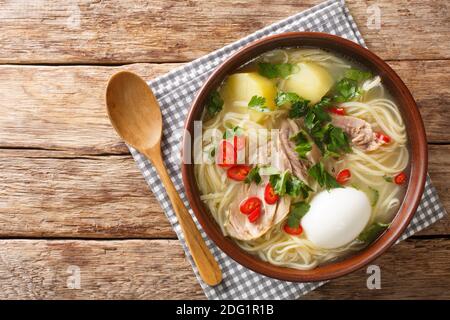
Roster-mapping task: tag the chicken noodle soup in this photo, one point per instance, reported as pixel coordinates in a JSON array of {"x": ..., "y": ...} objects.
[{"x": 310, "y": 163}]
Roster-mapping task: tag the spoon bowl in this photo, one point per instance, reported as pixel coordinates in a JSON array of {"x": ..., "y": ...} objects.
[
  {"x": 136, "y": 116},
  {"x": 133, "y": 110}
]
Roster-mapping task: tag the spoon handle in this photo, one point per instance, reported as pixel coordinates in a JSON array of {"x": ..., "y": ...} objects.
[{"x": 206, "y": 263}]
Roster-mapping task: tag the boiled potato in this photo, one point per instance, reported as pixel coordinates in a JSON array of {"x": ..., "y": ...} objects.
[
  {"x": 239, "y": 88},
  {"x": 311, "y": 82}
]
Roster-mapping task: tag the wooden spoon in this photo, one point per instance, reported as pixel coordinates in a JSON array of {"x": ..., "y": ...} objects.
[{"x": 135, "y": 114}]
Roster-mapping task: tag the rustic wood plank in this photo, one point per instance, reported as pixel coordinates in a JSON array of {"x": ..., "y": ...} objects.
[
  {"x": 121, "y": 31},
  {"x": 63, "y": 108},
  {"x": 157, "y": 269},
  {"x": 53, "y": 194},
  {"x": 95, "y": 197},
  {"x": 39, "y": 269}
]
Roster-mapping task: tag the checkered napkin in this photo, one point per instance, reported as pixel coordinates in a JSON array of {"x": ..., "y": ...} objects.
[{"x": 175, "y": 92}]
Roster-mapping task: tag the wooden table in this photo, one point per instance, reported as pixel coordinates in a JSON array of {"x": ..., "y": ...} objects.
[{"x": 72, "y": 199}]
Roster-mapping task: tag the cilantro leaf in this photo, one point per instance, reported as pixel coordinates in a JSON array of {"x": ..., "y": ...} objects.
[
  {"x": 299, "y": 109},
  {"x": 286, "y": 183},
  {"x": 258, "y": 103},
  {"x": 253, "y": 176},
  {"x": 302, "y": 143},
  {"x": 278, "y": 182},
  {"x": 286, "y": 97},
  {"x": 346, "y": 90},
  {"x": 296, "y": 187},
  {"x": 336, "y": 141},
  {"x": 323, "y": 178},
  {"x": 275, "y": 70},
  {"x": 214, "y": 103},
  {"x": 297, "y": 212},
  {"x": 299, "y": 106},
  {"x": 372, "y": 232},
  {"x": 318, "y": 114},
  {"x": 357, "y": 75}
]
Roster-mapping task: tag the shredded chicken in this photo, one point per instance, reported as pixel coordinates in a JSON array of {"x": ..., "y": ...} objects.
[
  {"x": 359, "y": 131},
  {"x": 238, "y": 225},
  {"x": 288, "y": 129}
]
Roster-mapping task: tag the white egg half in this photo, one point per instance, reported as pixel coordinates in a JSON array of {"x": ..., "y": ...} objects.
[{"x": 336, "y": 217}]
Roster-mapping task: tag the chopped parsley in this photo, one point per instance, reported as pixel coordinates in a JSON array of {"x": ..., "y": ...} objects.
[
  {"x": 253, "y": 176},
  {"x": 214, "y": 103},
  {"x": 275, "y": 70},
  {"x": 297, "y": 212},
  {"x": 258, "y": 103},
  {"x": 335, "y": 142},
  {"x": 348, "y": 88},
  {"x": 299, "y": 106},
  {"x": 323, "y": 178},
  {"x": 286, "y": 183},
  {"x": 302, "y": 143},
  {"x": 357, "y": 75}
]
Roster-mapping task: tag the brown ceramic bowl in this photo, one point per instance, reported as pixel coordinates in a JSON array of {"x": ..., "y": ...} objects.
[{"x": 417, "y": 146}]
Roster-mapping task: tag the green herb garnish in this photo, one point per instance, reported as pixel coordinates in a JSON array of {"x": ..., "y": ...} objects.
[
  {"x": 346, "y": 89},
  {"x": 372, "y": 232},
  {"x": 335, "y": 141},
  {"x": 253, "y": 176},
  {"x": 317, "y": 115},
  {"x": 297, "y": 212},
  {"x": 286, "y": 183},
  {"x": 299, "y": 106},
  {"x": 258, "y": 103},
  {"x": 357, "y": 75},
  {"x": 302, "y": 143},
  {"x": 214, "y": 103},
  {"x": 323, "y": 178},
  {"x": 275, "y": 70}
]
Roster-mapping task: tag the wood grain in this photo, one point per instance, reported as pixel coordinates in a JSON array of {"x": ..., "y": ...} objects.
[
  {"x": 46, "y": 194},
  {"x": 63, "y": 108},
  {"x": 53, "y": 194},
  {"x": 123, "y": 31},
  {"x": 157, "y": 269}
]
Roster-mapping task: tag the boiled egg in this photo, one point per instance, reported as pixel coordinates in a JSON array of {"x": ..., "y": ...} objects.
[{"x": 336, "y": 217}]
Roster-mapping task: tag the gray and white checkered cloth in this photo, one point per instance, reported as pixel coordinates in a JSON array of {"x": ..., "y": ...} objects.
[{"x": 175, "y": 92}]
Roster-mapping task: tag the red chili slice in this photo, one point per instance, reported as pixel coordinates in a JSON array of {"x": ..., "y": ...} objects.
[
  {"x": 343, "y": 176},
  {"x": 238, "y": 172},
  {"x": 294, "y": 231},
  {"x": 269, "y": 195},
  {"x": 400, "y": 178},
  {"x": 254, "y": 215},
  {"x": 239, "y": 142},
  {"x": 226, "y": 155},
  {"x": 249, "y": 205},
  {"x": 383, "y": 137},
  {"x": 338, "y": 111}
]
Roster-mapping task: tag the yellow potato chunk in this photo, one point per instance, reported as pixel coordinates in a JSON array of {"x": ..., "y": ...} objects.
[
  {"x": 311, "y": 82},
  {"x": 239, "y": 88}
]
